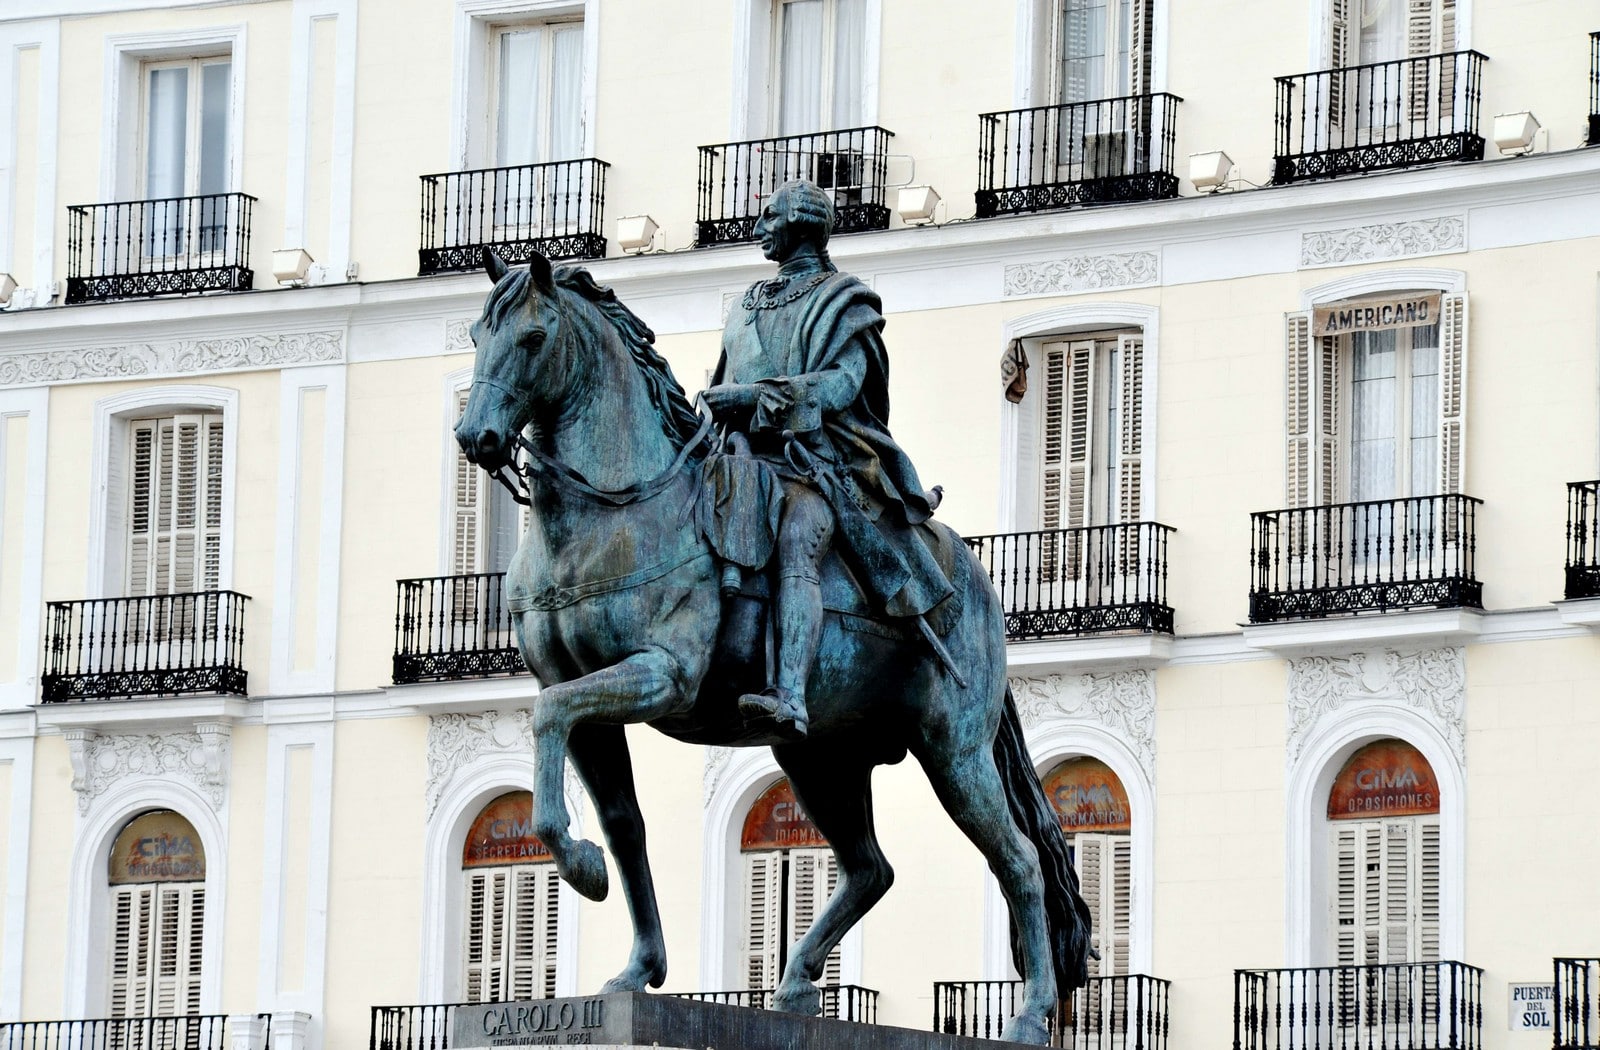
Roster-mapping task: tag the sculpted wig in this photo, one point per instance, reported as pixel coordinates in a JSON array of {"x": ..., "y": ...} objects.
[{"x": 809, "y": 212}]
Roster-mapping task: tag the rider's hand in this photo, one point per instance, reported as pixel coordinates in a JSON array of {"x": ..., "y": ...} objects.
[
  {"x": 729, "y": 398},
  {"x": 773, "y": 400}
]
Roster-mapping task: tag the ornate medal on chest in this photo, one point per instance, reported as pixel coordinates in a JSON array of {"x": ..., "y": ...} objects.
[{"x": 780, "y": 291}]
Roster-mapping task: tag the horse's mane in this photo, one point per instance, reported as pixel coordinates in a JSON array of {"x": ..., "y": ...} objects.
[{"x": 678, "y": 417}]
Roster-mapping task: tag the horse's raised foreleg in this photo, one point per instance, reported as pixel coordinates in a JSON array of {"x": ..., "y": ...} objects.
[
  {"x": 600, "y": 755},
  {"x": 644, "y": 686},
  {"x": 836, "y": 792}
]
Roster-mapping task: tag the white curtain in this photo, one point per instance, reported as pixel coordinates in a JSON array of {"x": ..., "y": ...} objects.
[
  {"x": 849, "y": 62},
  {"x": 566, "y": 83},
  {"x": 1373, "y": 415},
  {"x": 168, "y": 129},
  {"x": 800, "y": 65},
  {"x": 518, "y": 133},
  {"x": 1383, "y": 31}
]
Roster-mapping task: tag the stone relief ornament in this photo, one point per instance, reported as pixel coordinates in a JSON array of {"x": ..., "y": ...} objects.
[
  {"x": 1083, "y": 273},
  {"x": 458, "y": 336},
  {"x": 1384, "y": 240},
  {"x": 178, "y": 357},
  {"x": 200, "y": 758},
  {"x": 1121, "y": 702},
  {"x": 716, "y": 762},
  {"x": 456, "y": 740},
  {"x": 1432, "y": 683}
]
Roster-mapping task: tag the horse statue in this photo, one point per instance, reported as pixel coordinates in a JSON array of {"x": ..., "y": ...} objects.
[{"x": 619, "y": 610}]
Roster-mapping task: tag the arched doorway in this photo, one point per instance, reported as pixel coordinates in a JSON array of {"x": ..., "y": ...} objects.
[
  {"x": 509, "y": 893},
  {"x": 789, "y": 874},
  {"x": 1092, "y": 806},
  {"x": 156, "y": 875}
]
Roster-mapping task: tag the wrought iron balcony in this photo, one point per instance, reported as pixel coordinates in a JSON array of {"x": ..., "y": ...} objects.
[
  {"x": 1405, "y": 1006},
  {"x": 1577, "y": 1020},
  {"x": 1108, "y": 1013},
  {"x": 1101, "y": 152},
  {"x": 736, "y": 178},
  {"x": 137, "y": 249},
  {"x": 160, "y": 645},
  {"x": 842, "y": 1002},
  {"x": 454, "y": 627},
  {"x": 188, "y": 1032},
  {"x": 556, "y": 209},
  {"x": 1080, "y": 581},
  {"x": 1583, "y": 540},
  {"x": 1378, "y": 117},
  {"x": 1375, "y": 556}
]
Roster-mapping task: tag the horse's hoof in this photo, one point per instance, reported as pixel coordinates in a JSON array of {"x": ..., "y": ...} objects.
[
  {"x": 799, "y": 997},
  {"x": 585, "y": 870},
  {"x": 636, "y": 977},
  {"x": 1029, "y": 1030}
]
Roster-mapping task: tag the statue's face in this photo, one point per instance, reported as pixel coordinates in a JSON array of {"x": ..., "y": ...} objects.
[{"x": 773, "y": 229}]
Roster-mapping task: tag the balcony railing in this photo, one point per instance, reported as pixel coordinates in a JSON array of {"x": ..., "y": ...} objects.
[
  {"x": 556, "y": 209},
  {"x": 1108, "y": 1013},
  {"x": 1110, "y": 150},
  {"x": 1594, "y": 90},
  {"x": 1375, "y": 556},
  {"x": 1577, "y": 1020},
  {"x": 1379, "y": 116},
  {"x": 135, "y": 249},
  {"x": 453, "y": 627},
  {"x": 1406, "y": 1006},
  {"x": 159, "y": 645},
  {"x": 1080, "y": 581},
  {"x": 842, "y": 1002},
  {"x": 190, "y": 1032},
  {"x": 736, "y": 178},
  {"x": 1583, "y": 540}
]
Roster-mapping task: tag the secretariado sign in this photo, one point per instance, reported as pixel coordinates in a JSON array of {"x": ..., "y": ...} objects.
[
  {"x": 1371, "y": 315},
  {"x": 1532, "y": 1007},
  {"x": 545, "y": 1022}
]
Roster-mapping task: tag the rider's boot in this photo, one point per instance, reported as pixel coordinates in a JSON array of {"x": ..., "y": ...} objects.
[{"x": 782, "y": 708}]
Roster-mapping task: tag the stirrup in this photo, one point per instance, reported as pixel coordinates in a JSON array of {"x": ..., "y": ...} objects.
[{"x": 777, "y": 710}]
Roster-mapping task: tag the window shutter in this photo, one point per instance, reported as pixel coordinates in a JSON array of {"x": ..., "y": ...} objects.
[
  {"x": 211, "y": 536},
  {"x": 1299, "y": 411},
  {"x": 1079, "y": 434},
  {"x": 763, "y": 903},
  {"x": 1369, "y": 888},
  {"x": 1130, "y": 440},
  {"x": 486, "y": 928},
  {"x": 1399, "y": 891},
  {"x": 133, "y": 914},
  {"x": 1347, "y": 866},
  {"x": 1118, "y": 902},
  {"x": 813, "y": 875},
  {"x": 175, "y": 976},
  {"x": 141, "y": 496},
  {"x": 550, "y": 907},
  {"x": 1053, "y": 424},
  {"x": 175, "y": 504},
  {"x": 1329, "y": 391},
  {"x": 1141, "y": 46},
  {"x": 1452, "y": 392},
  {"x": 467, "y": 516},
  {"x": 1341, "y": 46},
  {"x": 1089, "y": 855},
  {"x": 531, "y": 933},
  {"x": 1428, "y": 907}
]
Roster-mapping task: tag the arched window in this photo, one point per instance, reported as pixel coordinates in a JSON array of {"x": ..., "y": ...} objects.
[
  {"x": 156, "y": 874},
  {"x": 1092, "y": 807},
  {"x": 1383, "y": 823},
  {"x": 789, "y": 874},
  {"x": 510, "y": 892}
]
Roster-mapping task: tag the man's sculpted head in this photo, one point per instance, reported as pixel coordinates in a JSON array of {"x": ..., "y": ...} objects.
[{"x": 797, "y": 213}]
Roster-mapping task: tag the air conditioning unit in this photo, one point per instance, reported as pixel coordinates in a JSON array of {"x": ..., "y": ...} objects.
[
  {"x": 1105, "y": 154},
  {"x": 845, "y": 173}
]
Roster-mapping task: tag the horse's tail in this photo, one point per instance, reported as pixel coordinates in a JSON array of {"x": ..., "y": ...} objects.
[{"x": 1066, "y": 915}]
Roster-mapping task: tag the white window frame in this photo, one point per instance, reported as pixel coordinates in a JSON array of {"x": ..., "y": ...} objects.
[
  {"x": 128, "y": 55},
  {"x": 755, "y": 87},
  {"x": 1034, "y": 57},
  {"x": 473, "y": 95},
  {"x": 1320, "y": 42},
  {"x": 194, "y": 102}
]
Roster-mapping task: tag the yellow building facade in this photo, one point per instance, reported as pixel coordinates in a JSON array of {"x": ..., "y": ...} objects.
[{"x": 1258, "y": 357}]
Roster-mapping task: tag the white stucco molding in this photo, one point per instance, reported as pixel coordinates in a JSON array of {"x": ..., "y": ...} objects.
[
  {"x": 480, "y": 777},
  {"x": 33, "y": 406},
  {"x": 200, "y": 757},
  {"x": 1121, "y": 704},
  {"x": 88, "y": 909},
  {"x": 170, "y": 358},
  {"x": 1016, "y": 420},
  {"x": 43, "y": 36},
  {"x": 335, "y": 255},
  {"x": 17, "y": 753},
  {"x": 1083, "y": 273},
  {"x": 1431, "y": 683},
  {"x": 1405, "y": 239},
  {"x": 1317, "y": 754},
  {"x": 738, "y": 779},
  {"x": 458, "y": 739},
  {"x": 1372, "y": 282}
]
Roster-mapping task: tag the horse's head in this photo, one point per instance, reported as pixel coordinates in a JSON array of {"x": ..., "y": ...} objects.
[{"x": 516, "y": 338}]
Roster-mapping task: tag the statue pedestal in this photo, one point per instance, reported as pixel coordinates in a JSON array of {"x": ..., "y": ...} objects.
[{"x": 631, "y": 1019}]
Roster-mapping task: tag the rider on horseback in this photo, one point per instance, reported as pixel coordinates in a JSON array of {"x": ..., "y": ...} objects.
[{"x": 804, "y": 377}]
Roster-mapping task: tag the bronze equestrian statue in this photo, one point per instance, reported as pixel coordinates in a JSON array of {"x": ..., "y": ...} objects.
[{"x": 642, "y": 592}]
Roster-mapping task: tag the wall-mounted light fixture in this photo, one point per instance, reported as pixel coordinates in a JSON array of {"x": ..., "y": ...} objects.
[
  {"x": 8, "y": 287},
  {"x": 1514, "y": 132},
  {"x": 1209, "y": 171},
  {"x": 290, "y": 266},
  {"x": 636, "y": 233},
  {"x": 915, "y": 204}
]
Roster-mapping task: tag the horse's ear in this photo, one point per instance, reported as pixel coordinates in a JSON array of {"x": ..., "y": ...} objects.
[
  {"x": 543, "y": 277},
  {"x": 494, "y": 264}
]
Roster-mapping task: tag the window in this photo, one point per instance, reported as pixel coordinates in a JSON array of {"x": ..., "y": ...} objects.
[
  {"x": 1092, "y": 807},
  {"x": 185, "y": 148},
  {"x": 1091, "y": 430},
  {"x": 789, "y": 874},
  {"x": 175, "y": 466},
  {"x": 537, "y": 119},
  {"x": 1381, "y": 101},
  {"x": 1102, "y": 49},
  {"x": 1367, "y": 31},
  {"x": 156, "y": 873},
  {"x": 819, "y": 56},
  {"x": 510, "y": 894}
]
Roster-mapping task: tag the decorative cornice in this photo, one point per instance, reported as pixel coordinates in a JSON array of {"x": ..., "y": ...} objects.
[
  {"x": 1083, "y": 273},
  {"x": 458, "y": 336},
  {"x": 1121, "y": 702},
  {"x": 1384, "y": 240},
  {"x": 457, "y": 740},
  {"x": 179, "y": 357},
  {"x": 201, "y": 757},
  {"x": 1432, "y": 683},
  {"x": 716, "y": 762}
]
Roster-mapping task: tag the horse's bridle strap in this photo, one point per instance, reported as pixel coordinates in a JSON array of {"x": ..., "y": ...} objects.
[
  {"x": 556, "y": 596},
  {"x": 567, "y": 478}
]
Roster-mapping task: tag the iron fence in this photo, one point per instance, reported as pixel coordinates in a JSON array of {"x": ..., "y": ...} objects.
[
  {"x": 736, "y": 178},
  {"x": 187, "y": 1032},
  {"x": 1127, "y": 1012},
  {"x": 1379, "y": 116},
  {"x": 842, "y": 1002},
  {"x": 1577, "y": 1019},
  {"x": 1109, "y": 150},
  {"x": 1080, "y": 581},
  {"x": 1372, "y": 556},
  {"x": 157, "y": 645},
  {"x": 1583, "y": 540},
  {"x": 135, "y": 249},
  {"x": 454, "y": 627},
  {"x": 1593, "y": 138},
  {"x": 1403, "y": 1006},
  {"x": 557, "y": 209},
  {"x": 425, "y": 1027}
]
